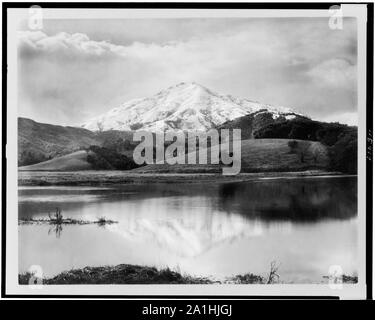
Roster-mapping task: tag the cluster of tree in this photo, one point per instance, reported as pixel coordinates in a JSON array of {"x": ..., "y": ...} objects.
[
  {"x": 119, "y": 145},
  {"x": 126, "y": 145},
  {"x": 303, "y": 129},
  {"x": 300, "y": 149},
  {"x": 103, "y": 158},
  {"x": 340, "y": 139},
  {"x": 27, "y": 157},
  {"x": 344, "y": 152}
]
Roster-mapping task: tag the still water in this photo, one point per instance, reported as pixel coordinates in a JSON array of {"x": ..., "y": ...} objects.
[{"x": 218, "y": 230}]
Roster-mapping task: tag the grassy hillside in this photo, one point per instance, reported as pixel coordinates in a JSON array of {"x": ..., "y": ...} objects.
[
  {"x": 267, "y": 146},
  {"x": 93, "y": 158},
  {"x": 339, "y": 139},
  {"x": 261, "y": 155},
  {"x": 283, "y": 155},
  {"x": 39, "y": 142},
  {"x": 71, "y": 162}
]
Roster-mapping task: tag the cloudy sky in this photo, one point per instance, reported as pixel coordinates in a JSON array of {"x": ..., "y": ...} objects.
[{"x": 73, "y": 70}]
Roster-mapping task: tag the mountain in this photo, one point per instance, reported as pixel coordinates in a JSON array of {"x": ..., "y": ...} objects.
[{"x": 186, "y": 106}]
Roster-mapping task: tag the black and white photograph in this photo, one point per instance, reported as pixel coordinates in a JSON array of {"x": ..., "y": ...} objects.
[{"x": 186, "y": 151}]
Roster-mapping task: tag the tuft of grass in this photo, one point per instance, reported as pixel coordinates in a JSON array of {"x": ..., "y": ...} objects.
[
  {"x": 250, "y": 278},
  {"x": 120, "y": 274},
  {"x": 247, "y": 278},
  {"x": 345, "y": 278},
  {"x": 135, "y": 274},
  {"x": 24, "y": 278},
  {"x": 349, "y": 279},
  {"x": 103, "y": 221}
]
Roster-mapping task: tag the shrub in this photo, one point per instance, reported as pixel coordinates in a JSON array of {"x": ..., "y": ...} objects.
[
  {"x": 29, "y": 157},
  {"x": 107, "y": 159},
  {"x": 292, "y": 144},
  {"x": 343, "y": 154}
]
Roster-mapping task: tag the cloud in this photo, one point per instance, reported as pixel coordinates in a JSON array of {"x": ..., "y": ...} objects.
[
  {"x": 291, "y": 62},
  {"x": 335, "y": 73},
  {"x": 349, "y": 118},
  {"x": 63, "y": 42}
]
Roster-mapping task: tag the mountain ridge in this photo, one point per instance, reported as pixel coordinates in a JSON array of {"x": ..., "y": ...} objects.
[{"x": 185, "y": 106}]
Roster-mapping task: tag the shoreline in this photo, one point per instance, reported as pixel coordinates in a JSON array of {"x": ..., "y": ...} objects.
[
  {"x": 137, "y": 274},
  {"x": 108, "y": 178}
]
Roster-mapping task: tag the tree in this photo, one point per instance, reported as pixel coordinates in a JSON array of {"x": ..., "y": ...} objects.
[
  {"x": 343, "y": 153},
  {"x": 292, "y": 144},
  {"x": 107, "y": 159}
]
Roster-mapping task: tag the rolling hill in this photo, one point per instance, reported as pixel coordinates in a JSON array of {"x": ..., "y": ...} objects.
[
  {"x": 38, "y": 142},
  {"x": 71, "y": 162},
  {"x": 260, "y": 155},
  {"x": 93, "y": 158}
]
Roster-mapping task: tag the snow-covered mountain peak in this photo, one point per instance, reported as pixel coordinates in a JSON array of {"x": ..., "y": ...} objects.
[{"x": 184, "y": 106}]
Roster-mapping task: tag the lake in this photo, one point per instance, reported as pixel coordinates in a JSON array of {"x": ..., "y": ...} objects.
[{"x": 218, "y": 230}]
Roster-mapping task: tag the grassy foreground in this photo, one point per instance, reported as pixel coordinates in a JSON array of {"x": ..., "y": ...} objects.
[
  {"x": 134, "y": 274},
  {"x": 120, "y": 274}
]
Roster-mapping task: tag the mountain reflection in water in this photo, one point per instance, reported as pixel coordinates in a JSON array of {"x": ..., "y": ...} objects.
[{"x": 215, "y": 229}]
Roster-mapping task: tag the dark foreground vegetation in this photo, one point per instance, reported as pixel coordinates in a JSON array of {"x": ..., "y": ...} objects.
[
  {"x": 133, "y": 274},
  {"x": 121, "y": 274},
  {"x": 102, "y": 158}
]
